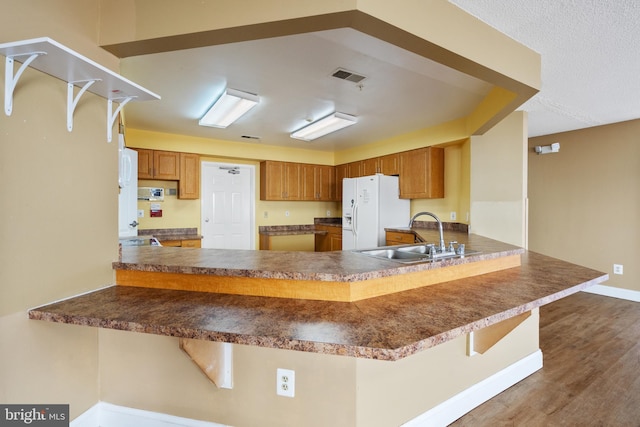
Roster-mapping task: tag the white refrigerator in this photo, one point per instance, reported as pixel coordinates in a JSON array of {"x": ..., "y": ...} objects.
[
  {"x": 369, "y": 204},
  {"x": 128, "y": 186}
]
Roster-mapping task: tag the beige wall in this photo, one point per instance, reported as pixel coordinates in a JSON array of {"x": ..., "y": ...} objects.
[
  {"x": 499, "y": 181},
  {"x": 584, "y": 201},
  {"x": 150, "y": 372},
  {"x": 58, "y": 222}
]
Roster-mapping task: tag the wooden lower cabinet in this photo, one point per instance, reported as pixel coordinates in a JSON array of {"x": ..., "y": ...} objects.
[
  {"x": 187, "y": 243},
  {"x": 331, "y": 241},
  {"x": 397, "y": 238}
]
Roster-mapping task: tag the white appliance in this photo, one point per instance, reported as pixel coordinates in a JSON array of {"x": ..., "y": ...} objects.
[
  {"x": 369, "y": 204},
  {"x": 128, "y": 183}
]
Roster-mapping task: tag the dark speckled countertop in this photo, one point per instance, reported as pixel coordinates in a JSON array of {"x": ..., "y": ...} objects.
[
  {"x": 334, "y": 266},
  {"x": 390, "y": 327},
  {"x": 171, "y": 233}
]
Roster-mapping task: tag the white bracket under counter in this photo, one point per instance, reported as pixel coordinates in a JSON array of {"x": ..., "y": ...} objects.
[{"x": 50, "y": 57}]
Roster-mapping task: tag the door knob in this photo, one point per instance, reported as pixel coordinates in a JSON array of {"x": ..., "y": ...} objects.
[{"x": 134, "y": 224}]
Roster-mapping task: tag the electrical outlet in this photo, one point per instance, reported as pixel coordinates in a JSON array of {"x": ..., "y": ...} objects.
[
  {"x": 140, "y": 213},
  {"x": 286, "y": 213},
  {"x": 453, "y": 216},
  {"x": 328, "y": 213},
  {"x": 285, "y": 382},
  {"x": 618, "y": 269},
  {"x": 265, "y": 215}
]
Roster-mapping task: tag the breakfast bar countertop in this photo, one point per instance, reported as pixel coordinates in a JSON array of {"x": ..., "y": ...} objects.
[
  {"x": 336, "y": 266},
  {"x": 388, "y": 327}
]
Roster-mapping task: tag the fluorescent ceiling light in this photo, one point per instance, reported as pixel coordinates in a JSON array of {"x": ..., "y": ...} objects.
[
  {"x": 228, "y": 108},
  {"x": 331, "y": 123}
]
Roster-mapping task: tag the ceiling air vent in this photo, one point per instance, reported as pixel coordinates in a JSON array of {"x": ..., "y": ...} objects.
[{"x": 343, "y": 74}]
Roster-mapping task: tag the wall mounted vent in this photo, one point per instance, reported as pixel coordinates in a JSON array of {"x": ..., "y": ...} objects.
[{"x": 347, "y": 75}]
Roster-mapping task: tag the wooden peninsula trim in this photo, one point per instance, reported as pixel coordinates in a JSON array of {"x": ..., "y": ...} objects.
[{"x": 312, "y": 289}]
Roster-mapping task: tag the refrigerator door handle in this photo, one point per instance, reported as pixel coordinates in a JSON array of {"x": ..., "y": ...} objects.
[{"x": 354, "y": 219}]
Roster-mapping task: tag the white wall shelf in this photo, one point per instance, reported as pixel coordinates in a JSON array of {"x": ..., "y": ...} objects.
[{"x": 50, "y": 57}]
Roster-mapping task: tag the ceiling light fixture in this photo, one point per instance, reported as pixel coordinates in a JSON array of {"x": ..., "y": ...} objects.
[
  {"x": 322, "y": 127},
  {"x": 228, "y": 108}
]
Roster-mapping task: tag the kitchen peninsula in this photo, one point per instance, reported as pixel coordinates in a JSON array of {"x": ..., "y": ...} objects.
[
  {"x": 476, "y": 327},
  {"x": 421, "y": 317}
]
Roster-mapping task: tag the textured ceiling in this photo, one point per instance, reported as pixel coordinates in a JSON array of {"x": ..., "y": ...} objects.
[{"x": 590, "y": 53}]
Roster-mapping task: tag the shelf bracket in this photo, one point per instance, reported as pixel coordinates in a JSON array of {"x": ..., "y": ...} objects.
[
  {"x": 10, "y": 81},
  {"x": 73, "y": 102},
  {"x": 111, "y": 115},
  {"x": 215, "y": 359}
]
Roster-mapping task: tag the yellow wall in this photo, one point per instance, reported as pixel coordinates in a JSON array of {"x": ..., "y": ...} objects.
[
  {"x": 499, "y": 181},
  {"x": 58, "y": 221},
  {"x": 585, "y": 200}
]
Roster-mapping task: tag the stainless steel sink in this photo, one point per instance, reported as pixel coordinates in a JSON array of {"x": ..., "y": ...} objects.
[{"x": 421, "y": 252}]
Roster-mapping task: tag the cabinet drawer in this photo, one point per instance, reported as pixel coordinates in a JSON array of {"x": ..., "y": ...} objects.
[
  {"x": 191, "y": 243},
  {"x": 398, "y": 238}
]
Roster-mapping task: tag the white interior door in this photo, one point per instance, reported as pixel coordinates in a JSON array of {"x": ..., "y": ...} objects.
[{"x": 228, "y": 210}]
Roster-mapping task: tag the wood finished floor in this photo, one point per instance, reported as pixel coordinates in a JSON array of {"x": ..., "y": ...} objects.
[{"x": 591, "y": 374}]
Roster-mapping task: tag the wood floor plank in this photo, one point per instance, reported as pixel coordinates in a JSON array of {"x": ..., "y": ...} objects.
[{"x": 591, "y": 373}]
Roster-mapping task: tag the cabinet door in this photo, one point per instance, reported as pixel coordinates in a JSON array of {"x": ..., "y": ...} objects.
[
  {"x": 189, "y": 185},
  {"x": 325, "y": 179},
  {"x": 308, "y": 177},
  {"x": 145, "y": 163},
  {"x": 389, "y": 164},
  {"x": 335, "y": 242},
  {"x": 272, "y": 180},
  {"x": 322, "y": 239},
  {"x": 341, "y": 173},
  {"x": 422, "y": 173},
  {"x": 166, "y": 165},
  {"x": 354, "y": 169},
  {"x": 293, "y": 181},
  {"x": 369, "y": 166}
]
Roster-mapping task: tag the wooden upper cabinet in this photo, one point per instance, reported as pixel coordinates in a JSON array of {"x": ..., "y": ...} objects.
[
  {"x": 341, "y": 173},
  {"x": 422, "y": 173},
  {"x": 166, "y": 165},
  {"x": 271, "y": 178},
  {"x": 308, "y": 173},
  {"x": 189, "y": 185},
  {"x": 154, "y": 164},
  {"x": 369, "y": 167},
  {"x": 325, "y": 182},
  {"x": 354, "y": 169},
  {"x": 145, "y": 163},
  {"x": 296, "y": 181},
  {"x": 292, "y": 181},
  {"x": 280, "y": 181},
  {"x": 389, "y": 164}
]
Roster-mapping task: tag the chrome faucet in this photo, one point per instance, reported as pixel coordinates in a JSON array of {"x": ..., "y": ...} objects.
[{"x": 443, "y": 248}]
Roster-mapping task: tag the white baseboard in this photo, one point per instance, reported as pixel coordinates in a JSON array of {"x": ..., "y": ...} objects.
[
  {"x": 455, "y": 407},
  {"x": 104, "y": 414},
  {"x": 611, "y": 291}
]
